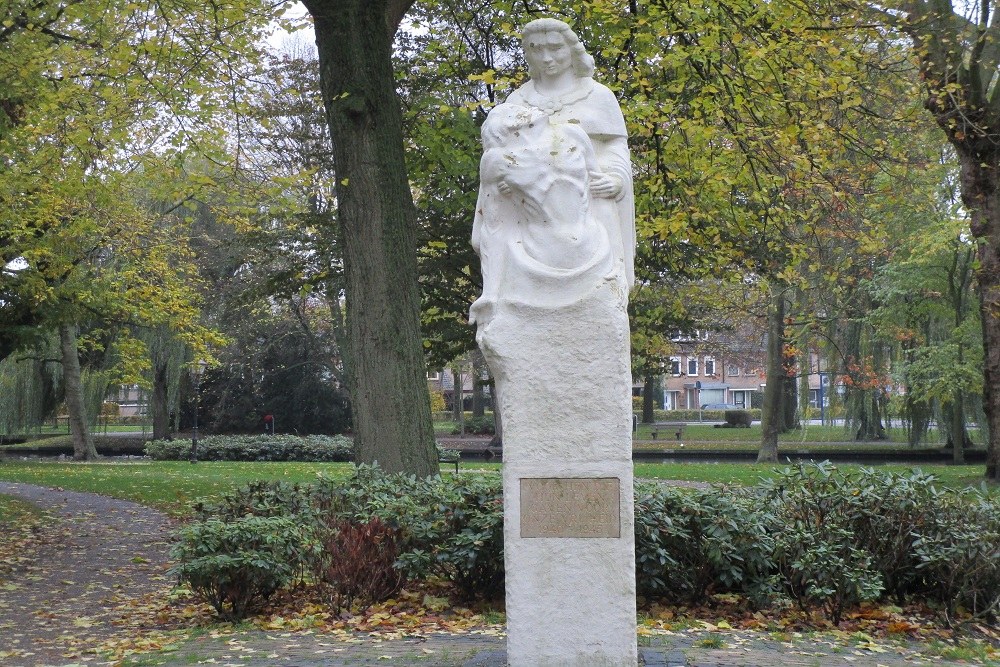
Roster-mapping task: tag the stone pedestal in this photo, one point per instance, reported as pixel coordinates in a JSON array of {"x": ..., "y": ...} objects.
[{"x": 564, "y": 389}]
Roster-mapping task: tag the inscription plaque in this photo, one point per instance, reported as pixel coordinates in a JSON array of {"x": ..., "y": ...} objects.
[{"x": 570, "y": 507}]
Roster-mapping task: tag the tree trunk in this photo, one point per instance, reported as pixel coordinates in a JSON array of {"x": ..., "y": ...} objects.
[
  {"x": 649, "y": 386},
  {"x": 958, "y": 429},
  {"x": 159, "y": 401},
  {"x": 386, "y": 374},
  {"x": 789, "y": 398},
  {"x": 981, "y": 196},
  {"x": 79, "y": 425},
  {"x": 804, "y": 390},
  {"x": 771, "y": 414},
  {"x": 497, "y": 439},
  {"x": 478, "y": 400},
  {"x": 458, "y": 398}
]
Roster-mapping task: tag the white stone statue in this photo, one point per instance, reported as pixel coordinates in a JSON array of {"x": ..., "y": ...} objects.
[
  {"x": 555, "y": 230},
  {"x": 556, "y": 182}
]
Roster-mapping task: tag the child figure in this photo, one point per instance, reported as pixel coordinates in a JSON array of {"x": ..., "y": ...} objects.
[{"x": 533, "y": 218}]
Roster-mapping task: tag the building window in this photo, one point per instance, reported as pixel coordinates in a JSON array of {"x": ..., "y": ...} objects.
[
  {"x": 692, "y": 365},
  {"x": 675, "y": 366},
  {"x": 434, "y": 375},
  {"x": 709, "y": 366},
  {"x": 733, "y": 370}
]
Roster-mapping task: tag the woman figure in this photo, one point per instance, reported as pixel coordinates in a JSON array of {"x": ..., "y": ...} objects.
[
  {"x": 562, "y": 86},
  {"x": 548, "y": 245}
]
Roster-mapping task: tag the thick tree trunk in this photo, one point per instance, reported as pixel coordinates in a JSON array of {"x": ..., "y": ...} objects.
[
  {"x": 771, "y": 414},
  {"x": 386, "y": 374},
  {"x": 79, "y": 425},
  {"x": 649, "y": 386},
  {"x": 980, "y": 193},
  {"x": 789, "y": 399},
  {"x": 159, "y": 401}
]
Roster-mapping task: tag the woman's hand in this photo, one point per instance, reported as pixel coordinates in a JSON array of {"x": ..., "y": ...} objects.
[{"x": 605, "y": 186}]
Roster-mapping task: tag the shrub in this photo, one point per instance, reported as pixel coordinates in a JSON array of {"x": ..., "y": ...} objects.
[
  {"x": 691, "y": 542},
  {"x": 819, "y": 536},
  {"x": 695, "y": 415},
  {"x": 237, "y": 564},
  {"x": 358, "y": 562},
  {"x": 256, "y": 448},
  {"x": 817, "y": 555},
  {"x": 266, "y": 498},
  {"x": 450, "y": 528},
  {"x": 437, "y": 401},
  {"x": 958, "y": 549},
  {"x": 476, "y": 426},
  {"x": 474, "y": 548},
  {"x": 888, "y": 513},
  {"x": 738, "y": 418}
]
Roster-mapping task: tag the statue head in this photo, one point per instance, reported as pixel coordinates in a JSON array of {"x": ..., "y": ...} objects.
[
  {"x": 540, "y": 30},
  {"x": 507, "y": 121}
]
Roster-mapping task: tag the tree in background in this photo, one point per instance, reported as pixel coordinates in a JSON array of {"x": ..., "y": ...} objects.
[{"x": 958, "y": 48}]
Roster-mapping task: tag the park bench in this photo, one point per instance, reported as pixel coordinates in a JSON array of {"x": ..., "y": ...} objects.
[
  {"x": 674, "y": 428},
  {"x": 450, "y": 458}
]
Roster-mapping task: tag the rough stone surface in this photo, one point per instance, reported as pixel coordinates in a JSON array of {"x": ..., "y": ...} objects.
[{"x": 554, "y": 228}]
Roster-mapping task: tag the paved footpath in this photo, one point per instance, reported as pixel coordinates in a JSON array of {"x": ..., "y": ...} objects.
[
  {"x": 79, "y": 589},
  {"x": 101, "y": 557},
  {"x": 738, "y": 649}
]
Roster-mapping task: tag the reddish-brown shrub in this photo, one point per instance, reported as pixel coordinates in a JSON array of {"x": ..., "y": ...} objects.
[{"x": 358, "y": 564}]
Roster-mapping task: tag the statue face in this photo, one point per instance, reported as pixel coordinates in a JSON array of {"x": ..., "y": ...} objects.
[{"x": 548, "y": 54}]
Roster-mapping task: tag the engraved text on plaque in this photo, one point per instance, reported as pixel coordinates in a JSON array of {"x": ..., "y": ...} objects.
[{"x": 570, "y": 507}]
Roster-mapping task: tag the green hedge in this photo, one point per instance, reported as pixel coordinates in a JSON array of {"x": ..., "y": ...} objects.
[
  {"x": 692, "y": 415},
  {"x": 255, "y": 448},
  {"x": 812, "y": 536}
]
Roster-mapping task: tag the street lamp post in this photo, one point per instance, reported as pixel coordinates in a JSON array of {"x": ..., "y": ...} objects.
[{"x": 197, "y": 372}]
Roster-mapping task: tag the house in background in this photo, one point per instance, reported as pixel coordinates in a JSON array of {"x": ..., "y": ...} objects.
[
  {"x": 131, "y": 399},
  {"x": 444, "y": 381},
  {"x": 723, "y": 368}
]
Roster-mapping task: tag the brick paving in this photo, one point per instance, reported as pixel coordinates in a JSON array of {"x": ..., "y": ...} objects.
[{"x": 682, "y": 649}]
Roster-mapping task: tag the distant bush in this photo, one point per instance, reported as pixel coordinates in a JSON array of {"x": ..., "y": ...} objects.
[
  {"x": 476, "y": 426},
  {"x": 704, "y": 415},
  {"x": 437, "y": 401},
  {"x": 738, "y": 418},
  {"x": 256, "y": 448}
]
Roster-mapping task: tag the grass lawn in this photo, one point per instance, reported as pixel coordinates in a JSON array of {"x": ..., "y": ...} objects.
[
  {"x": 749, "y": 438},
  {"x": 171, "y": 485},
  {"x": 810, "y": 435},
  {"x": 167, "y": 485}
]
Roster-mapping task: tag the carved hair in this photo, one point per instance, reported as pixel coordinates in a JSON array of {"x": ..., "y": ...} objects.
[{"x": 583, "y": 62}]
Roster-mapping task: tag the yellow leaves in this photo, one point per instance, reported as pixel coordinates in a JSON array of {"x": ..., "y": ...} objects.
[
  {"x": 489, "y": 77},
  {"x": 435, "y": 603}
]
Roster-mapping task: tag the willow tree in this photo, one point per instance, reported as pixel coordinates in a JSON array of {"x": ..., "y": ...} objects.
[{"x": 377, "y": 219}]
